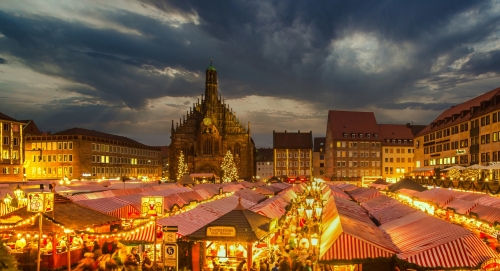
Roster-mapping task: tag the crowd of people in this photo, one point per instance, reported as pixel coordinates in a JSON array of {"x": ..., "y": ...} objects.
[{"x": 117, "y": 260}]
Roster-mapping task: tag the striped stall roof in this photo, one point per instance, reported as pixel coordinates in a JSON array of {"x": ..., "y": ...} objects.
[
  {"x": 468, "y": 251},
  {"x": 487, "y": 213},
  {"x": 111, "y": 206},
  {"x": 379, "y": 186},
  {"x": 472, "y": 196},
  {"x": 379, "y": 203},
  {"x": 252, "y": 184},
  {"x": 192, "y": 220},
  {"x": 460, "y": 206},
  {"x": 348, "y": 233},
  {"x": 231, "y": 187},
  {"x": 166, "y": 192},
  {"x": 250, "y": 195},
  {"x": 273, "y": 207},
  {"x": 146, "y": 234},
  {"x": 362, "y": 194},
  {"x": 348, "y": 247},
  {"x": 489, "y": 201},
  {"x": 346, "y": 186},
  {"x": 212, "y": 189},
  {"x": 337, "y": 192}
]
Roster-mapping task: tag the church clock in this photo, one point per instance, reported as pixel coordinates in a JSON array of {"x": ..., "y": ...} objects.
[{"x": 207, "y": 121}]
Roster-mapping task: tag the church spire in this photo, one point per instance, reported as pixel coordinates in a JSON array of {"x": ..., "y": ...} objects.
[{"x": 211, "y": 85}]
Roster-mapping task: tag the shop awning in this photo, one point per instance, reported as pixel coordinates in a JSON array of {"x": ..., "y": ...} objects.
[
  {"x": 349, "y": 234},
  {"x": 460, "y": 206},
  {"x": 145, "y": 234},
  {"x": 362, "y": 194},
  {"x": 432, "y": 242},
  {"x": 336, "y": 192},
  {"x": 385, "y": 209},
  {"x": 248, "y": 226},
  {"x": 111, "y": 206},
  {"x": 346, "y": 186},
  {"x": 407, "y": 192},
  {"x": 487, "y": 213}
]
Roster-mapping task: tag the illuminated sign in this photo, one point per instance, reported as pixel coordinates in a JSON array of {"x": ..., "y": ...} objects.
[
  {"x": 221, "y": 231},
  {"x": 40, "y": 202},
  {"x": 461, "y": 152},
  {"x": 152, "y": 206}
]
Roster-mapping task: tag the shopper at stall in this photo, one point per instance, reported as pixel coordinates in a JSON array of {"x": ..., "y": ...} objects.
[
  {"x": 132, "y": 261},
  {"x": 241, "y": 266},
  {"x": 62, "y": 243},
  {"x": 255, "y": 267},
  {"x": 285, "y": 264},
  {"x": 147, "y": 264},
  {"x": 308, "y": 266}
]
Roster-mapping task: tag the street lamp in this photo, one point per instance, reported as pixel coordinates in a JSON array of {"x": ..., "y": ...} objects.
[
  {"x": 314, "y": 240},
  {"x": 309, "y": 200},
  {"x": 7, "y": 200},
  {"x": 18, "y": 192},
  {"x": 300, "y": 210},
  {"x": 318, "y": 210},
  {"x": 309, "y": 212}
]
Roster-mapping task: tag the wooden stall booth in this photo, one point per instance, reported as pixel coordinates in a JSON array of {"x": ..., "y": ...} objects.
[
  {"x": 230, "y": 240},
  {"x": 60, "y": 233}
]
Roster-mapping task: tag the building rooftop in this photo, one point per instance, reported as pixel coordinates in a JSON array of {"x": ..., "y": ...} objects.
[
  {"x": 292, "y": 140},
  {"x": 319, "y": 142},
  {"x": 93, "y": 133},
  {"x": 340, "y": 122}
]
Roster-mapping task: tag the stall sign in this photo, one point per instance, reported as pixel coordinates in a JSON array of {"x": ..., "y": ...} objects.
[
  {"x": 458, "y": 152},
  {"x": 492, "y": 264},
  {"x": 40, "y": 202},
  {"x": 152, "y": 206},
  {"x": 221, "y": 231}
]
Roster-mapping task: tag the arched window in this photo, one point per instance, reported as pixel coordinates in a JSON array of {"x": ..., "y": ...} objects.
[
  {"x": 237, "y": 150},
  {"x": 216, "y": 147},
  {"x": 207, "y": 146}
]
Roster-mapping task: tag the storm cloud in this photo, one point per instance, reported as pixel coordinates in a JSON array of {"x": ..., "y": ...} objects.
[{"x": 136, "y": 64}]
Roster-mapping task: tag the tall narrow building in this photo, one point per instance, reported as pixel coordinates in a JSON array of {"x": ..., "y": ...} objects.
[{"x": 208, "y": 130}]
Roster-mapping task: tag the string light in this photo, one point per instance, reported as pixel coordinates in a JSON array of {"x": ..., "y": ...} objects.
[
  {"x": 229, "y": 168},
  {"x": 182, "y": 168}
]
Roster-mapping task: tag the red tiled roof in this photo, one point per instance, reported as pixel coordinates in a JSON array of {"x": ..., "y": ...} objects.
[
  {"x": 340, "y": 122},
  {"x": 459, "y": 108},
  {"x": 85, "y": 132},
  {"x": 292, "y": 140}
]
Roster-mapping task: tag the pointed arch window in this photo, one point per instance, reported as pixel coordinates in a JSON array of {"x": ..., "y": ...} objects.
[
  {"x": 237, "y": 150},
  {"x": 216, "y": 146},
  {"x": 207, "y": 146}
]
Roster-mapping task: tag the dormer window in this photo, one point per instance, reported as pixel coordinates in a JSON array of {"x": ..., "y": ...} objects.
[
  {"x": 405, "y": 141},
  {"x": 345, "y": 135},
  {"x": 360, "y": 135},
  {"x": 367, "y": 135},
  {"x": 394, "y": 141},
  {"x": 399, "y": 141},
  {"x": 353, "y": 135},
  {"x": 375, "y": 135}
]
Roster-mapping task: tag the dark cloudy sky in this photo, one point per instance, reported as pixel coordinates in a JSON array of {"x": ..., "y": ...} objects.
[{"x": 130, "y": 67}]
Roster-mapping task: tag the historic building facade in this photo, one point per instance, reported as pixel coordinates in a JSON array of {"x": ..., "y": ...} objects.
[
  {"x": 207, "y": 132},
  {"x": 465, "y": 134},
  {"x": 11, "y": 148},
  {"x": 87, "y": 154},
  {"x": 357, "y": 146},
  {"x": 264, "y": 164},
  {"x": 319, "y": 157},
  {"x": 293, "y": 155}
]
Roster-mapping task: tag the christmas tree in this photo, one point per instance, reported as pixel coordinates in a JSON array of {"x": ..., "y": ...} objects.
[
  {"x": 229, "y": 168},
  {"x": 182, "y": 168},
  {"x": 7, "y": 261}
]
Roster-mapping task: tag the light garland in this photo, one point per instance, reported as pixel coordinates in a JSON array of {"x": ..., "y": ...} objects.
[
  {"x": 182, "y": 167},
  {"x": 454, "y": 174},
  {"x": 470, "y": 174}
]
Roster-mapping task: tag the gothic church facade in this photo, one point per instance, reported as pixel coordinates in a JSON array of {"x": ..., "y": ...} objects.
[{"x": 205, "y": 134}]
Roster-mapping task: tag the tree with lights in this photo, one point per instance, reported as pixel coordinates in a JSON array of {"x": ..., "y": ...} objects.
[
  {"x": 182, "y": 167},
  {"x": 229, "y": 168}
]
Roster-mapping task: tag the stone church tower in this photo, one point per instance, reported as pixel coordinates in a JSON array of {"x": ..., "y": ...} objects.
[{"x": 208, "y": 130}]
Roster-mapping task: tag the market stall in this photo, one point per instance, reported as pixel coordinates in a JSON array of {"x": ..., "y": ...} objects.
[
  {"x": 61, "y": 232},
  {"x": 232, "y": 238}
]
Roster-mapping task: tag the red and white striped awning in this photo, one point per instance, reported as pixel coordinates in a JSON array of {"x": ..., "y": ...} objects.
[
  {"x": 111, "y": 206},
  {"x": 144, "y": 234},
  {"x": 468, "y": 251},
  {"x": 347, "y": 247},
  {"x": 461, "y": 206}
]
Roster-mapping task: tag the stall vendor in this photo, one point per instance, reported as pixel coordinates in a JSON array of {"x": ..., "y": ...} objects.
[
  {"x": 77, "y": 241},
  {"x": 20, "y": 243},
  {"x": 48, "y": 247},
  {"x": 63, "y": 243}
]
